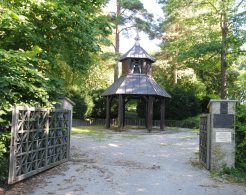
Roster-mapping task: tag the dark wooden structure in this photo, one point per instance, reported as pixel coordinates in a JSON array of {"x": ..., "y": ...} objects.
[{"x": 136, "y": 82}]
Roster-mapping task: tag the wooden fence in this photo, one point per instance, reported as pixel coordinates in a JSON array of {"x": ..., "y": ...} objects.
[{"x": 135, "y": 122}]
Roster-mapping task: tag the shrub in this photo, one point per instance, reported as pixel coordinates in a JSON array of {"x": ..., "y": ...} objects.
[
  {"x": 83, "y": 104},
  {"x": 99, "y": 108},
  {"x": 241, "y": 137},
  {"x": 4, "y": 156},
  {"x": 182, "y": 105}
]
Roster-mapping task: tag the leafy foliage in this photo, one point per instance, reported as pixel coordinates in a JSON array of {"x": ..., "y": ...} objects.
[
  {"x": 83, "y": 104},
  {"x": 193, "y": 32},
  {"x": 183, "y": 104},
  {"x": 130, "y": 14},
  {"x": 23, "y": 82},
  {"x": 4, "y": 155},
  {"x": 46, "y": 46},
  {"x": 241, "y": 137},
  {"x": 60, "y": 28},
  {"x": 238, "y": 90},
  {"x": 99, "y": 108}
]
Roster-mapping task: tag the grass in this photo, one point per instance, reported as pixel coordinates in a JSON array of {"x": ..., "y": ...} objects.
[
  {"x": 195, "y": 130},
  {"x": 176, "y": 129},
  {"x": 99, "y": 132},
  {"x": 232, "y": 175},
  {"x": 186, "y": 138},
  {"x": 134, "y": 127},
  {"x": 96, "y": 132},
  {"x": 131, "y": 136},
  {"x": 131, "y": 115}
]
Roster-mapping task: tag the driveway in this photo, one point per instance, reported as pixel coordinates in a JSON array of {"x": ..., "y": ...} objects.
[{"x": 132, "y": 162}]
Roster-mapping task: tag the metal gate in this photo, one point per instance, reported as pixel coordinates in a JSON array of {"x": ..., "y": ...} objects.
[
  {"x": 40, "y": 139},
  {"x": 204, "y": 140}
]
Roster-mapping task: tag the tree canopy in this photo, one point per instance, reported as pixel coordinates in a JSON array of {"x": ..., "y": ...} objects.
[
  {"x": 43, "y": 43},
  {"x": 206, "y": 36}
]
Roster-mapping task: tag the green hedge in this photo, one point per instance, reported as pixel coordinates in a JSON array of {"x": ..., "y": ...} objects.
[
  {"x": 241, "y": 137},
  {"x": 191, "y": 122}
]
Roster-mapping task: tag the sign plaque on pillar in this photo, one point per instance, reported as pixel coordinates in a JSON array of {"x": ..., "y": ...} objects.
[{"x": 223, "y": 137}]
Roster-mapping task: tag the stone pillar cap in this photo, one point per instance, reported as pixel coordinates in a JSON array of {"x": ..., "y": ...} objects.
[
  {"x": 220, "y": 100},
  {"x": 67, "y": 99}
]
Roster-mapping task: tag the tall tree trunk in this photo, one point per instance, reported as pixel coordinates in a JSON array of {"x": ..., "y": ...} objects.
[
  {"x": 175, "y": 75},
  {"x": 224, "y": 33},
  {"x": 117, "y": 42},
  {"x": 117, "y": 30}
]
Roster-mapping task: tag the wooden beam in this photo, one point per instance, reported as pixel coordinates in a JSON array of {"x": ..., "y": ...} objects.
[
  {"x": 150, "y": 113},
  {"x": 108, "y": 112},
  {"x": 120, "y": 112},
  {"x": 162, "y": 121}
]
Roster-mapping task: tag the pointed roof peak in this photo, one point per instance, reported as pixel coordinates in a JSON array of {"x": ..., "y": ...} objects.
[
  {"x": 137, "y": 39},
  {"x": 137, "y": 51}
]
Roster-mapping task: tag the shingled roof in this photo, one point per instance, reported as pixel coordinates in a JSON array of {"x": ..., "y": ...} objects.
[
  {"x": 136, "y": 84},
  {"x": 137, "y": 52}
]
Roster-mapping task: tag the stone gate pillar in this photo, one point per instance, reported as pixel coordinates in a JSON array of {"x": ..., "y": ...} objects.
[
  {"x": 66, "y": 103},
  {"x": 222, "y": 143}
]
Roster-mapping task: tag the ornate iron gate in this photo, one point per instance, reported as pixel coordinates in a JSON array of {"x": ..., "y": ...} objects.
[
  {"x": 204, "y": 138},
  {"x": 40, "y": 139}
]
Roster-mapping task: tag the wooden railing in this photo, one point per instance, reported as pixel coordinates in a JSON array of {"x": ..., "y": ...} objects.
[{"x": 135, "y": 122}]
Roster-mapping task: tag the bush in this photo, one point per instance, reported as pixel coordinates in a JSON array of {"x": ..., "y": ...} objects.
[
  {"x": 4, "y": 156},
  {"x": 204, "y": 104},
  {"x": 99, "y": 108},
  {"x": 83, "y": 104},
  {"x": 182, "y": 105},
  {"x": 241, "y": 137}
]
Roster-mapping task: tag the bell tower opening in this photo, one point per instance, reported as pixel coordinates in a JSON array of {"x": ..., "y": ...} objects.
[{"x": 137, "y": 66}]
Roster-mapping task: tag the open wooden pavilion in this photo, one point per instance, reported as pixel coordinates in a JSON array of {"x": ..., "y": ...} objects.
[{"x": 136, "y": 82}]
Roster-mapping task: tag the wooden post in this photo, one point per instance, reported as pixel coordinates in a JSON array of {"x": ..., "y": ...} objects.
[
  {"x": 162, "y": 121},
  {"x": 124, "y": 111},
  {"x": 146, "y": 113},
  {"x": 120, "y": 113},
  {"x": 108, "y": 113},
  {"x": 150, "y": 113},
  {"x": 13, "y": 145},
  {"x": 145, "y": 99}
]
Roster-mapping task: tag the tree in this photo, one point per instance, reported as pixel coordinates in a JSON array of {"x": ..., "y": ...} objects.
[
  {"x": 130, "y": 14},
  {"x": 229, "y": 18},
  {"x": 39, "y": 39},
  {"x": 210, "y": 39},
  {"x": 63, "y": 31},
  {"x": 23, "y": 81},
  {"x": 174, "y": 29}
]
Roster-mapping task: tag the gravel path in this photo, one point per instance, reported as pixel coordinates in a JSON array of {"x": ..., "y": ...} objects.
[{"x": 134, "y": 162}]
